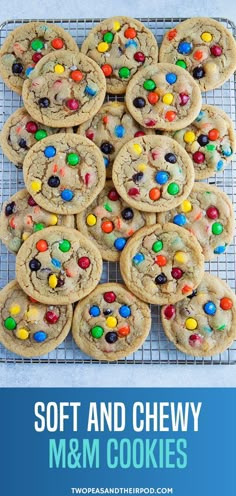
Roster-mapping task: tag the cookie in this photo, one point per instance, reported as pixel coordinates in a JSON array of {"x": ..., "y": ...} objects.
[
  {"x": 21, "y": 216},
  {"x": 58, "y": 266},
  {"x": 20, "y": 133},
  {"x": 162, "y": 264},
  {"x": 152, "y": 174},
  {"x": 120, "y": 46},
  {"x": 163, "y": 96},
  {"x": 204, "y": 47},
  {"x": 209, "y": 140},
  {"x": 110, "y": 129},
  {"x": 25, "y": 46},
  {"x": 203, "y": 324},
  {"x": 65, "y": 89},
  {"x": 110, "y": 323},
  {"x": 208, "y": 214},
  {"x": 64, "y": 173},
  {"x": 29, "y": 328},
  {"x": 109, "y": 222}
]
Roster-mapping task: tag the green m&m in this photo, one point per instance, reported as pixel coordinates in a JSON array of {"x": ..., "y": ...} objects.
[
  {"x": 181, "y": 63},
  {"x": 64, "y": 245},
  {"x": 38, "y": 227},
  {"x": 10, "y": 324},
  {"x": 97, "y": 332},
  {"x": 173, "y": 189},
  {"x": 37, "y": 45},
  {"x": 217, "y": 228},
  {"x": 124, "y": 72},
  {"x": 40, "y": 134},
  {"x": 149, "y": 85},
  {"x": 157, "y": 246},
  {"x": 73, "y": 159},
  {"x": 108, "y": 37}
]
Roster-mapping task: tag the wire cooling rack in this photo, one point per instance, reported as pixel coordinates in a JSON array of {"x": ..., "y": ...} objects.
[{"x": 156, "y": 349}]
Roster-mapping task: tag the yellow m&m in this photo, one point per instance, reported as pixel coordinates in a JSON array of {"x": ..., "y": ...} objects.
[
  {"x": 36, "y": 185},
  {"x": 189, "y": 137},
  {"x": 15, "y": 309},
  {"x": 181, "y": 257},
  {"x": 141, "y": 167},
  {"x": 91, "y": 220},
  {"x": 52, "y": 281},
  {"x": 116, "y": 25},
  {"x": 168, "y": 98},
  {"x": 53, "y": 220},
  {"x": 207, "y": 37},
  {"x": 102, "y": 47},
  {"x": 32, "y": 314},
  {"x": 191, "y": 324},
  {"x": 137, "y": 148},
  {"x": 186, "y": 206},
  {"x": 111, "y": 322},
  {"x": 22, "y": 334},
  {"x": 59, "y": 69},
  {"x": 25, "y": 235}
]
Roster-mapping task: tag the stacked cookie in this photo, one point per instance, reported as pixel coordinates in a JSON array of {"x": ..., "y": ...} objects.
[{"x": 149, "y": 215}]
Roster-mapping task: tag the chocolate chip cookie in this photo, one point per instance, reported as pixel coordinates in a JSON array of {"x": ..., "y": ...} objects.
[
  {"x": 109, "y": 222},
  {"x": 21, "y": 216},
  {"x": 65, "y": 89},
  {"x": 152, "y": 174},
  {"x": 162, "y": 264},
  {"x": 58, "y": 266},
  {"x": 26, "y": 45},
  {"x": 29, "y": 328},
  {"x": 110, "y": 129},
  {"x": 204, "y": 47},
  {"x": 163, "y": 96},
  {"x": 209, "y": 140},
  {"x": 208, "y": 214},
  {"x": 120, "y": 46},
  {"x": 64, "y": 173},
  {"x": 20, "y": 133},
  {"x": 110, "y": 323},
  {"x": 203, "y": 324}
]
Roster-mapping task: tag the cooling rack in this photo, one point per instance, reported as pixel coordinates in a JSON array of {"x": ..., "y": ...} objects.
[{"x": 156, "y": 349}]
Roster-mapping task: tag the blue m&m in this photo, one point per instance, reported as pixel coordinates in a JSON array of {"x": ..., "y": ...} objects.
[
  {"x": 162, "y": 177},
  {"x": 220, "y": 249},
  {"x": 171, "y": 78},
  {"x": 106, "y": 161},
  {"x": 40, "y": 336},
  {"x": 138, "y": 258},
  {"x": 184, "y": 47},
  {"x": 180, "y": 220},
  {"x": 220, "y": 165},
  {"x": 200, "y": 116},
  {"x": 119, "y": 131},
  {"x": 209, "y": 308},
  {"x": 50, "y": 151},
  {"x": 67, "y": 195},
  {"x": 90, "y": 91},
  {"x": 227, "y": 151},
  {"x": 28, "y": 71},
  {"x": 131, "y": 43},
  {"x": 120, "y": 243},
  {"x": 125, "y": 311},
  {"x": 94, "y": 311},
  {"x": 56, "y": 262}
]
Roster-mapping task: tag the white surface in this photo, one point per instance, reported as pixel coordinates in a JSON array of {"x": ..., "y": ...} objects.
[{"x": 116, "y": 375}]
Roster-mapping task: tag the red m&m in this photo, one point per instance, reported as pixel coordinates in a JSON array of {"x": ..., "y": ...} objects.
[
  {"x": 31, "y": 127},
  {"x": 84, "y": 262},
  {"x": 169, "y": 312},
  {"x": 212, "y": 212},
  {"x": 51, "y": 317},
  {"x": 139, "y": 57},
  {"x": 109, "y": 297}
]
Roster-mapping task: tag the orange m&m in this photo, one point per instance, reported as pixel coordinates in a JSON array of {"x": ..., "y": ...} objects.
[
  {"x": 42, "y": 245},
  {"x": 154, "y": 194},
  {"x": 124, "y": 331},
  {"x": 76, "y": 76},
  {"x": 107, "y": 70},
  {"x": 107, "y": 226},
  {"x": 130, "y": 33},
  {"x": 57, "y": 43},
  {"x": 161, "y": 260},
  {"x": 197, "y": 55},
  {"x": 153, "y": 97},
  {"x": 172, "y": 34},
  {"x": 226, "y": 303},
  {"x": 170, "y": 115},
  {"x": 213, "y": 135}
]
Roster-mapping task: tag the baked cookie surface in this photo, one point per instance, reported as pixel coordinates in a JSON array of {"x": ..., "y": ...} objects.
[
  {"x": 109, "y": 222},
  {"x": 64, "y": 173},
  {"x": 120, "y": 46},
  {"x": 58, "y": 266},
  {"x": 208, "y": 214},
  {"x": 110, "y": 323},
  {"x": 26, "y": 45},
  {"x": 162, "y": 264},
  {"x": 202, "y": 46},
  {"x": 64, "y": 90},
  {"x": 163, "y": 96},
  {"x": 203, "y": 324},
  {"x": 29, "y": 328},
  {"x": 152, "y": 174}
]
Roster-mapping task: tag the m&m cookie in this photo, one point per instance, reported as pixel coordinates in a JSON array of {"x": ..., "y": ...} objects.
[
  {"x": 64, "y": 173},
  {"x": 209, "y": 140},
  {"x": 202, "y": 46},
  {"x": 163, "y": 96},
  {"x": 152, "y": 174},
  {"x": 120, "y": 46},
  {"x": 21, "y": 216},
  {"x": 110, "y": 323},
  {"x": 58, "y": 266},
  {"x": 208, "y": 214},
  {"x": 20, "y": 132},
  {"x": 29, "y": 328},
  {"x": 65, "y": 89},
  {"x": 109, "y": 222},
  {"x": 162, "y": 264},
  {"x": 204, "y": 323},
  {"x": 26, "y": 45},
  {"x": 109, "y": 129}
]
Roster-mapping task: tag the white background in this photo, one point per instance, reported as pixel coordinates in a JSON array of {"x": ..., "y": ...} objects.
[{"x": 116, "y": 375}]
